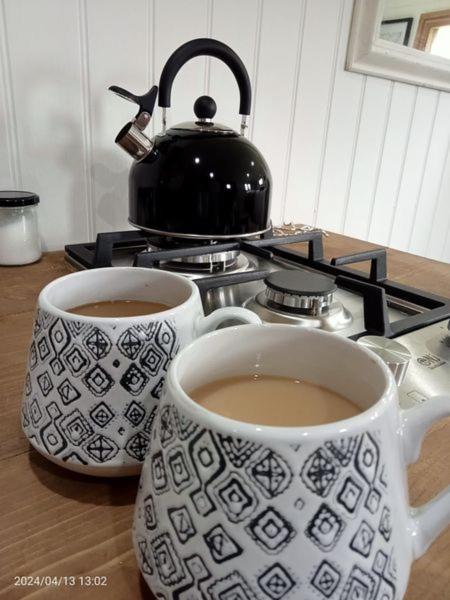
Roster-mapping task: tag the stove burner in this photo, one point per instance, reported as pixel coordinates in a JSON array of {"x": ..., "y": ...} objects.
[
  {"x": 299, "y": 291},
  {"x": 300, "y": 298},
  {"x": 231, "y": 261}
]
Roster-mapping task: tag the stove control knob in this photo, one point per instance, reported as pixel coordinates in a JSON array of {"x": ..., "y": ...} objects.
[
  {"x": 301, "y": 291},
  {"x": 394, "y": 354}
]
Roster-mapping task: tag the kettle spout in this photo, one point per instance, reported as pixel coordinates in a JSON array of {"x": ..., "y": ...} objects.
[
  {"x": 132, "y": 137},
  {"x": 134, "y": 141}
]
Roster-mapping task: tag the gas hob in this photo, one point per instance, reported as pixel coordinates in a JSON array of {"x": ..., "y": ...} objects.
[{"x": 280, "y": 284}]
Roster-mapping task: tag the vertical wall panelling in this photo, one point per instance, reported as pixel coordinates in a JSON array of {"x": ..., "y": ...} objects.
[
  {"x": 87, "y": 120},
  {"x": 425, "y": 112},
  {"x": 392, "y": 161},
  {"x": 275, "y": 95},
  {"x": 317, "y": 66},
  {"x": 439, "y": 240},
  {"x": 118, "y": 54},
  {"x": 345, "y": 113},
  {"x": 434, "y": 171},
  {"x": 242, "y": 37},
  {"x": 367, "y": 159},
  {"x": 47, "y": 91},
  {"x": 347, "y": 152},
  {"x": 178, "y": 21},
  {"x": 10, "y": 175}
]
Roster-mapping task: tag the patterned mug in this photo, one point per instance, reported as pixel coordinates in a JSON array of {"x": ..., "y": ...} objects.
[
  {"x": 233, "y": 511},
  {"x": 92, "y": 382}
]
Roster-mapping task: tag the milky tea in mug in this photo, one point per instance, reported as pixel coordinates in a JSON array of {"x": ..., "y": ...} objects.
[{"x": 274, "y": 400}]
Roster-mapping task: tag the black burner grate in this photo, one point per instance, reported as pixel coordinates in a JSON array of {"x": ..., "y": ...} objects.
[{"x": 374, "y": 288}]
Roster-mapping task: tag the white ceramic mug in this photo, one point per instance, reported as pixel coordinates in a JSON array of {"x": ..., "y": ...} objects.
[
  {"x": 231, "y": 510},
  {"x": 93, "y": 382}
]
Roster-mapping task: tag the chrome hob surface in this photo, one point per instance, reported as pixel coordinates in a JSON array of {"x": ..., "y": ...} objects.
[{"x": 234, "y": 274}]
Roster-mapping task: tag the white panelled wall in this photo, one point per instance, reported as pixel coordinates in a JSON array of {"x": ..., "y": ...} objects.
[{"x": 358, "y": 155}]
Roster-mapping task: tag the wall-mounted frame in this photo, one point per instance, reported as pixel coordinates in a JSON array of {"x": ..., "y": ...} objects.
[{"x": 369, "y": 54}]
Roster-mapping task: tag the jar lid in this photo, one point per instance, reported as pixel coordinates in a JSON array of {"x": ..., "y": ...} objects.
[{"x": 14, "y": 198}]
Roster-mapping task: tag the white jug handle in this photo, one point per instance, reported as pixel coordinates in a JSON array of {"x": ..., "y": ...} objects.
[
  {"x": 430, "y": 519},
  {"x": 216, "y": 318}
]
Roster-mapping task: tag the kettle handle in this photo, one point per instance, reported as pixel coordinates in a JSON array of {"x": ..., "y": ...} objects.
[{"x": 205, "y": 47}]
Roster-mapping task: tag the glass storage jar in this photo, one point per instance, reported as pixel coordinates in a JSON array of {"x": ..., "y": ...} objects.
[{"x": 20, "y": 242}]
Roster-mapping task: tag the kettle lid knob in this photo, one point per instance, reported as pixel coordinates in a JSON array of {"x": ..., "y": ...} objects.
[{"x": 205, "y": 108}]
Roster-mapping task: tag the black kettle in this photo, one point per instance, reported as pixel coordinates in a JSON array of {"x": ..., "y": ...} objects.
[{"x": 197, "y": 179}]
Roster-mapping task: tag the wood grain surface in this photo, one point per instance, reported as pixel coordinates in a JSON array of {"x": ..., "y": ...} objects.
[{"x": 54, "y": 522}]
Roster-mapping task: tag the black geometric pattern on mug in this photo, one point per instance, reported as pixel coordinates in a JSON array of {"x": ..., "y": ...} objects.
[
  {"x": 28, "y": 388},
  {"x": 149, "y": 513},
  {"x": 299, "y": 503},
  {"x": 166, "y": 338},
  {"x": 101, "y": 448},
  {"x": 134, "y": 413},
  {"x": 182, "y": 523},
  {"x": 350, "y": 494},
  {"x": 45, "y": 383},
  {"x": 157, "y": 389},
  {"x": 76, "y": 427},
  {"x": 138, "y": 445},
  {"x": 148, "y": 425},
  {"x": 363, "y": 539},
  {"x": 382, "y": 476},
  {"x": 271, "y": 473},
  {"x": 359, "y": 585},
  {"x": 50, "y": 434},
  {"x": 231, "y": 587},
  {"x": 43, "y": 348},
  {"x": 166, "y": 428},
  {"x": 386, "y": 590},
  {"x": 57, "y": 366},
  {"x": 385, "y": 526},
  {"x": 101, "y": 414},
  {"x": 185, "y": 427},
  {"x": 326, "y": 579},
  {"x": 97, "y": 343},
  {"x": 373, "y": 500},
  {"x": 208, "y": 463},
  {"x": 35, "y": 412},
  {"x": 325, "y": 528},
  {"x": 159, "y": 474},
  {"x": 168, "y": 563},
  {"x": 134, "y": 380},
  {"x": 199, "y": 573},
  {"x": 152, "y": 359},
  {"x": 77, "y": 327},
  {"x": 130, "y": 343},
  {"x": 221, "y": 545},
  {"x": 342, "y": 449},
  {"x": 235, "y": 497},
  {"x": 68, "y": 392},
  {"x": 179, "y": 471},
  {"x": 320, "y": 471},
  {"x": 367, "y": 457},
  {"x": 270, "y": 530},
  {"x": 76, "y": 360},
  {"x": 73, "y": 457},
  {"x": 98, "y": 381},
  {"x": 379, "y": 563},
  {"x": 145, "y": 557},
  {"x": 276, "y": 582},
  {"x": 392, "y": 568},
  {"x": 59, "y": 336},
  {"x": 32, "y": 356},
  {"x": 25, "y": 417},
  {"x": 237, "y": 450}
]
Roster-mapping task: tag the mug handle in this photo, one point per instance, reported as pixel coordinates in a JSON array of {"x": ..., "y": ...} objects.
[
  {"x": 430, "y": 519},
  {"x": 206, "y": 324}
]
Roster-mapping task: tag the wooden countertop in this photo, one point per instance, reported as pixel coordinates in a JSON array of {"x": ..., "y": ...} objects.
[{"x": 54, "y": 522}]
